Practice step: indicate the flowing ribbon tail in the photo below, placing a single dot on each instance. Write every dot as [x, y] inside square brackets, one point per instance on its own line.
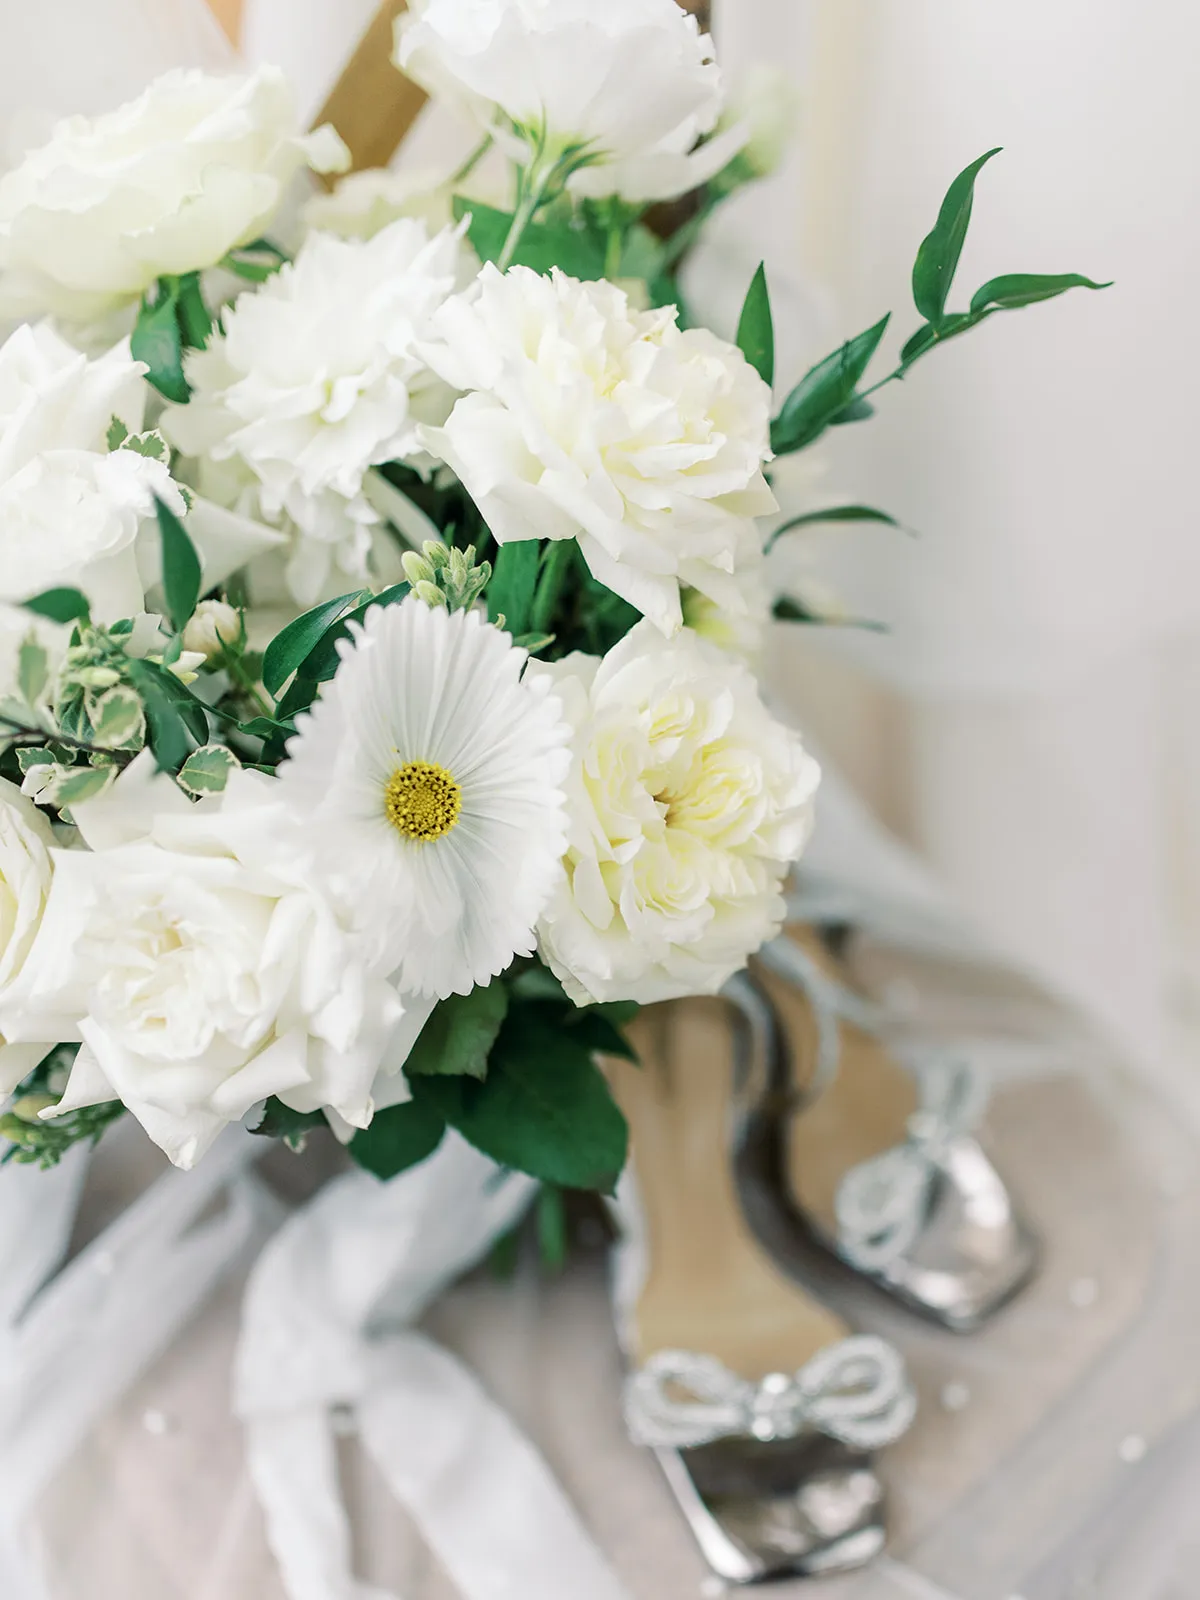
[293, 1465]
[326, 1324]
[483, 1497]
[90, 1331]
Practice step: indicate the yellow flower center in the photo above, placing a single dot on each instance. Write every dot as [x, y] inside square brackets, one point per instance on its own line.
[422, 801]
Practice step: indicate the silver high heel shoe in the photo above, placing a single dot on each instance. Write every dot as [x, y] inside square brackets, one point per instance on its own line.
[762, 1407]
[877, 1152]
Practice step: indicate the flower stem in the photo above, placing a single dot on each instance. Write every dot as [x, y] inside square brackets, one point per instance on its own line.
[559, 558]
[472, 161]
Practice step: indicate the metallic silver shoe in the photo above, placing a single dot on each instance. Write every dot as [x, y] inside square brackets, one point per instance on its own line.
[903, 1192]
[763, 1408]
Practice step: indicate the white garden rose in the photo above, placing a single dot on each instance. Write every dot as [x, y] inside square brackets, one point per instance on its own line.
[200, 969]
[169, 183]
[315, 379]
[26, 870]
[591, 420]
[688, 803]
[632, 83]
[362, 204]
[71, 508]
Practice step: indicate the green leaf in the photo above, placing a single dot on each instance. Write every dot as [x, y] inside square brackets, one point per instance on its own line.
[460, 1033]
[77, 784]
[195, 319]
[858, 410]
[576, 250]
[256, 262]
[268, 727]
[33, 669]
[533, 642]
[292, 644]
[181, 566]
[165, 700]
[937, 259]
[117, 718]
[551, 1213]
[1017, 289]
[293, 1127]
[927, 336]
[514, 579]
[158, 341]
[811, 519]
[34, 756]
[789, 609]
[824, 391]
[600, 1034]
[60, 605]
[322, 661]
[206, 770]
[543, 1109]
[398, 1138]
[756, 329]
[117, 434]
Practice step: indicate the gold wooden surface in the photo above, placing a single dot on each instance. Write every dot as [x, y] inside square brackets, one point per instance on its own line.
[372, 105]
[229, 14]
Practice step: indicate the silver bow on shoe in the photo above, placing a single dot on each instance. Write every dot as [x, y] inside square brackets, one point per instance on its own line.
[856, 1391]
[883, 1205]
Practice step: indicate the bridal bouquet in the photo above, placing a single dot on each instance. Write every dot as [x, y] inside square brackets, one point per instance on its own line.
[378, 722]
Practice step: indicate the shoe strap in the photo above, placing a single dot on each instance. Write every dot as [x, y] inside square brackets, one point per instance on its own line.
[881, 1205]
[856, 1391]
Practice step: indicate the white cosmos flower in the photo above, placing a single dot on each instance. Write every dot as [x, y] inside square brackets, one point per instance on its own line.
[632, 81]
[589, 419]
[168, 183]
[431, 773]
[71, 509]
[688, 804]
[191, 954]
[26, 869]
[315, 379]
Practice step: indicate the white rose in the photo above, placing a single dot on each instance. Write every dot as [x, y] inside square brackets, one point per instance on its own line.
[71, 509]
[742, 630]
[25, 874]
[766, 101]
[363, 203]
[167, 184]
[315, 379]
[200, 970]
[631, 82]
[594, 421]
[688, 804]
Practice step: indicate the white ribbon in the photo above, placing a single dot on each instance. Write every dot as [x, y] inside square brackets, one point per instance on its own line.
[856, 1391]
[327, 1327]
[70, 1345]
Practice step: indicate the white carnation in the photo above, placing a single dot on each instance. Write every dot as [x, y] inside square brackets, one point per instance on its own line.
[591, 420]
[315, 379]
[70, 509]
[191, 956]
[688, 803]
[167, 184]
[25, 874]
[632, 82]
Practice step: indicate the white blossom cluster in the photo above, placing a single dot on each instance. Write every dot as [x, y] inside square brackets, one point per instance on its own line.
[221, 928]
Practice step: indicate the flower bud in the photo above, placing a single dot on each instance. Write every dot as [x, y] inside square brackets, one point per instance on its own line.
[214, 625]
[430, 593]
